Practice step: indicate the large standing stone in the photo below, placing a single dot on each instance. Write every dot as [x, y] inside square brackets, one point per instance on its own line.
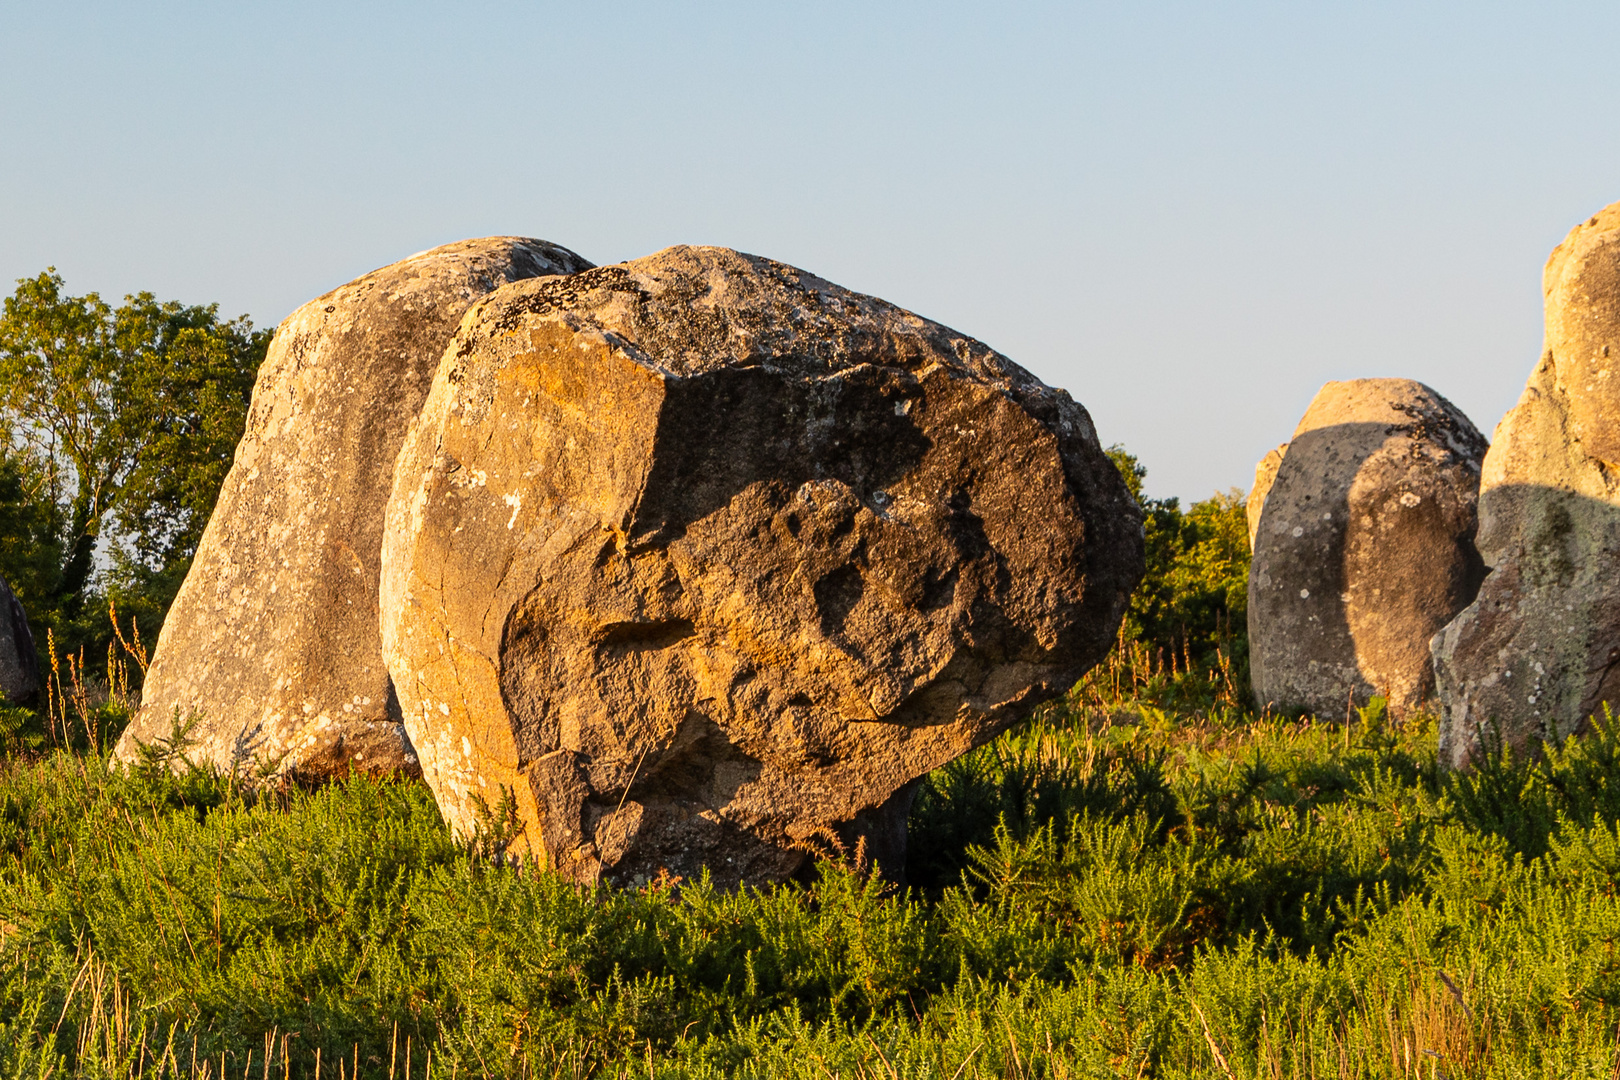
[19, 664]
[1539, 651]
[703, 560]
[273, 639]
[1365, 548]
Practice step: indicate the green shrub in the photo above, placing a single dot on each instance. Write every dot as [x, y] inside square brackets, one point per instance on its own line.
[1184, 641]
[1286, 898]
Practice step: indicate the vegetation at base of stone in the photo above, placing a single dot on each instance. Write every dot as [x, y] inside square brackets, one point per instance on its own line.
[81, 708]
[117, 425]
[1184, 641]
[1160, 899]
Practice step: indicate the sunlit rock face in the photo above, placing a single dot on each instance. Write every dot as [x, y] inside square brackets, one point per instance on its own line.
[1265, 472]
[700, 561]
[1538, 652]
[273, 639]
[1363, 547]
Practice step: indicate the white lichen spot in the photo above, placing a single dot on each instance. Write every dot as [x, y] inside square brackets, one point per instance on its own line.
[444, 707]
[466, 747]
[1299, 530]
[1410, 499]
[515, 501]
[1304, 594]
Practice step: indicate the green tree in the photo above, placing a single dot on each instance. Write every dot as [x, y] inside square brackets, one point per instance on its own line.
[117, 425]
[30, 527]
[1193, 599]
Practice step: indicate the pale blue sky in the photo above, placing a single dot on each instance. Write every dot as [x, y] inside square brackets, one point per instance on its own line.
[1189, 215]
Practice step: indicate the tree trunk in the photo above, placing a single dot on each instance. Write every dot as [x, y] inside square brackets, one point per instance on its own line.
[81, 554]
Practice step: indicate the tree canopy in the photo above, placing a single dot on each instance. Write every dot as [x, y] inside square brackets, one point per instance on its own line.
[117, 425]
[1194, 596]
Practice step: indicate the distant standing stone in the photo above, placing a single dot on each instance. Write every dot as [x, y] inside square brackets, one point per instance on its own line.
[19, 664]
[1264, 475]
[1538, 652]
[1364, 548]
[273, 638]
[705, 560]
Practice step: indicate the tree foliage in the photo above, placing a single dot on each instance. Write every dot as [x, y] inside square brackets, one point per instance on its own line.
[117, 425]
[1193, 599]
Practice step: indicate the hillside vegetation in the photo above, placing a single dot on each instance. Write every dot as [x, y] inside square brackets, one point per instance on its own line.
[1118, 889]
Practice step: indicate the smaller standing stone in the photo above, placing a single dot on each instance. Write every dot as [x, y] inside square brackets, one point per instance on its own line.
[19, 668]
[1364, 547]
[1264, 474]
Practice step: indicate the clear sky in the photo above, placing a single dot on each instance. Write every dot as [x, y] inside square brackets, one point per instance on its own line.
[1188, 215]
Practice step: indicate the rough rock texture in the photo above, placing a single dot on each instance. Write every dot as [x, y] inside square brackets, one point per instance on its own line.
[1265, 473]
[19, 670]
[1539, 651]
[273, 638]
[705, 560]
[1365, 548]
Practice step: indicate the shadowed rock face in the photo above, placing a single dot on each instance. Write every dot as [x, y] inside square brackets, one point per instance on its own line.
[705, 560]
[1364, 547]
[1539, 651]
[19, 666]
[273, 638]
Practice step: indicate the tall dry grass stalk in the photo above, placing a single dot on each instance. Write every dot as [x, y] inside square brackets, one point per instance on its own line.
[88, 703]
[1134, 673]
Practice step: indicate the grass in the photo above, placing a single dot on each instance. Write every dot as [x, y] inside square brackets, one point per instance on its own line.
[1118, 889]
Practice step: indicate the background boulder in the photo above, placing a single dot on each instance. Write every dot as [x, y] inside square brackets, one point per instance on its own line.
[1364, 547]
[1264, 473]
[1538, 652]
[19, 663]
[701, 561]
[273, 638]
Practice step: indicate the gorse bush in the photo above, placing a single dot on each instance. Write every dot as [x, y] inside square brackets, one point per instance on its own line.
[1276, 899]
[1039, 778]
[1525, 801]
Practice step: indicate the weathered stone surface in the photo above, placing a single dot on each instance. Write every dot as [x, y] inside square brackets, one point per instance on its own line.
[705, 560]
[273, 638]
[1365, 548]
[1538, 652]
[1264, 475]
[19, 664]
